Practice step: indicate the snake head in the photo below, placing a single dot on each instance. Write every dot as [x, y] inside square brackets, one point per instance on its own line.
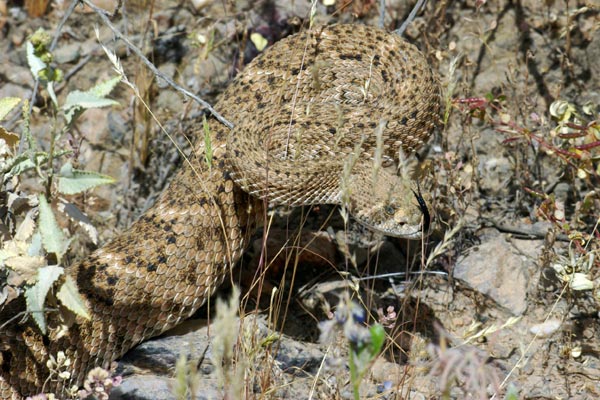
[391, 206]
[408, 220]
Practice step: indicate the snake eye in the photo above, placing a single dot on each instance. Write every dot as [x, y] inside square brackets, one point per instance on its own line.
[389, 209]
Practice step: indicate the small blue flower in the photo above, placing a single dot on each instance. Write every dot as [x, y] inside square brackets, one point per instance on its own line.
[358, 314]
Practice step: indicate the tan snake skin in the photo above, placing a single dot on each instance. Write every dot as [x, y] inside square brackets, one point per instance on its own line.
[315, 116]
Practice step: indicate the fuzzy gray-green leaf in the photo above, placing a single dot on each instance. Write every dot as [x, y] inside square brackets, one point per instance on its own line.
[103, 89]
[77, 98]
[7, 104]
[73, 181]
[35, 63]
[92, 98]
[52, 236]
[35, 296]
[69, 297]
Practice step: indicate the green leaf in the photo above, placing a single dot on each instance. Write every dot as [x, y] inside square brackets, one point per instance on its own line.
[72, 181]
[35, 248]
[51, 93]
[7, 104]
[103, 89]
[208, 151]
[18, 165]
[35, 296]
[92, 98]
[377, 339]
[70, 297]
[29, 160]
[53, 239]
[86, 100]
[35, 63]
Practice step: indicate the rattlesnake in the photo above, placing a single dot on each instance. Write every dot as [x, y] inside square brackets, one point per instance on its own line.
[315, 116]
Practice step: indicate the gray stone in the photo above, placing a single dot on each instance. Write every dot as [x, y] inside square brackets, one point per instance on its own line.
[12, 90]
[168, 69]
[19, 75]
[593, 55]
[168, 100]
[495, 173]
[155, 387]
[118, 126]
[148, 370]
[69, 53]
[493, 269]
[141, 387]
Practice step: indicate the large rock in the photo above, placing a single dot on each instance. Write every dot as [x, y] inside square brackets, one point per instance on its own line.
[494, 269]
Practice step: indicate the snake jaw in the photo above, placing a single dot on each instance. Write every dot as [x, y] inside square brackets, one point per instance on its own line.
[407, 221]
[402, 230]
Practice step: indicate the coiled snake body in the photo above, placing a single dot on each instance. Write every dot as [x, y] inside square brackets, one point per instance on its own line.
[315, 117]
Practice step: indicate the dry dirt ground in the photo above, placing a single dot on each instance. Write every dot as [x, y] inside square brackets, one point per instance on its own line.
[503, 297]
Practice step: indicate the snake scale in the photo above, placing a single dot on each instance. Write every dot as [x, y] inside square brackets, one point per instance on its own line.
[315, 115]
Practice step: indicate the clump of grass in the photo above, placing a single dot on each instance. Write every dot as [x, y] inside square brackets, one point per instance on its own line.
[230, 374]
[186, 378]
[569, 139]
[465, 367]
[228, 368]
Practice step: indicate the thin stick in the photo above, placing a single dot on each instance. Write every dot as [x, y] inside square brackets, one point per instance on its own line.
[62, 23]
[420, 4]
[103, 16]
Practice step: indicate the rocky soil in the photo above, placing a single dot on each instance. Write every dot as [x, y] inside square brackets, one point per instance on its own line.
[503, 298]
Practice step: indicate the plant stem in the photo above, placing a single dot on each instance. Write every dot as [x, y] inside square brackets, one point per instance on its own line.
[354, 375]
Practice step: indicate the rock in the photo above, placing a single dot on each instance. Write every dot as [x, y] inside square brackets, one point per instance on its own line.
[593, 55]
[169, 69]
[19, 75]
[200, 4]
[494, 171]
[148, 370]
[494, 269]
[143, 387]
[168, 100]
[118, 125]
[69, 53]
[12, 90]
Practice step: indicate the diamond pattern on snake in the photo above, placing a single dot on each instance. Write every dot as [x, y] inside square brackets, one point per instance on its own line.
[316, 115]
